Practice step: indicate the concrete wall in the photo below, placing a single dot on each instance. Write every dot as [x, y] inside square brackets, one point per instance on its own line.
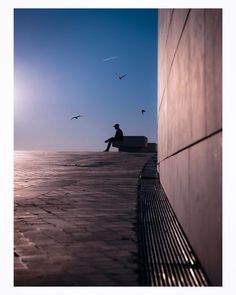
[190, 126]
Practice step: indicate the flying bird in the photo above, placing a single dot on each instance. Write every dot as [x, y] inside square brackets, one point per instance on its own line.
[121, 77]
[76, 117]
[143, 111]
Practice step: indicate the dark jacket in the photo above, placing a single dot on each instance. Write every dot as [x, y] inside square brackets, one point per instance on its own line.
[119, 135]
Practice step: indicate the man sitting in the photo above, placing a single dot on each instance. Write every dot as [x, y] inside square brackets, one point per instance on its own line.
[118, 137]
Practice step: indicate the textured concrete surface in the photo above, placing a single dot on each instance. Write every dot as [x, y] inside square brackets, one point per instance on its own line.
[190, 189]
[213, 68]
[205, 204]
[191, 98]
[190, 126]
[75, 218]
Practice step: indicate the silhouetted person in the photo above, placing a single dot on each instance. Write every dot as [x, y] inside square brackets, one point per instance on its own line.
[118, 137]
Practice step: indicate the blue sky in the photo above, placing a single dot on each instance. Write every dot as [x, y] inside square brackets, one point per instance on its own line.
[60, 70]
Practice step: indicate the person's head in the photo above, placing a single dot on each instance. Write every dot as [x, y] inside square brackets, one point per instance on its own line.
[116, 126]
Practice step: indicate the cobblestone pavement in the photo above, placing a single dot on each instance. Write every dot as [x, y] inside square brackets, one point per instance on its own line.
[75, 218]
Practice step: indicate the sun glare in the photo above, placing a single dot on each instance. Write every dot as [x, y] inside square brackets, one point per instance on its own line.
[22, 93]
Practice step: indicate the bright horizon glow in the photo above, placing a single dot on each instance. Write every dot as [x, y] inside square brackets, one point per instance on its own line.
[66, 62]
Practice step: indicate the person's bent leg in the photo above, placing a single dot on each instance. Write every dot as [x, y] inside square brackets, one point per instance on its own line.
[110, 140]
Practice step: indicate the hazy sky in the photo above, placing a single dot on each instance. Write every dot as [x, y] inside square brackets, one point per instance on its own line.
[65, 64]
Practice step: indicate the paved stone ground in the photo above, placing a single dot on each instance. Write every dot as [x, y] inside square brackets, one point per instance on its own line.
[75, 218]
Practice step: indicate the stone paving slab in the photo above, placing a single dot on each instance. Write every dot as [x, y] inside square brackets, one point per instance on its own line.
[76, 218]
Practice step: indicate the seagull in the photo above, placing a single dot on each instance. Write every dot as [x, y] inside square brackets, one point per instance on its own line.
[76, 117]
[121, 77]
[143, 111]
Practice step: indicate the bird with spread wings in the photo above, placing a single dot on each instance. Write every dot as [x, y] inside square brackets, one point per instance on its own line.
[121, 77]
[76, 117]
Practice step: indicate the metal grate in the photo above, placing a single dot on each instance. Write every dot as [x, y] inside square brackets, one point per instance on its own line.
[166, 258]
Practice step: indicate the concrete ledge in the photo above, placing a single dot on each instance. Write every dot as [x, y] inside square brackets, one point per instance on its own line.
[152, 147]
[135, 144]
[132, 142]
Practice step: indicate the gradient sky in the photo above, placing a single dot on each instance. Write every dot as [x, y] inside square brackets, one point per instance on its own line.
[65, 63]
